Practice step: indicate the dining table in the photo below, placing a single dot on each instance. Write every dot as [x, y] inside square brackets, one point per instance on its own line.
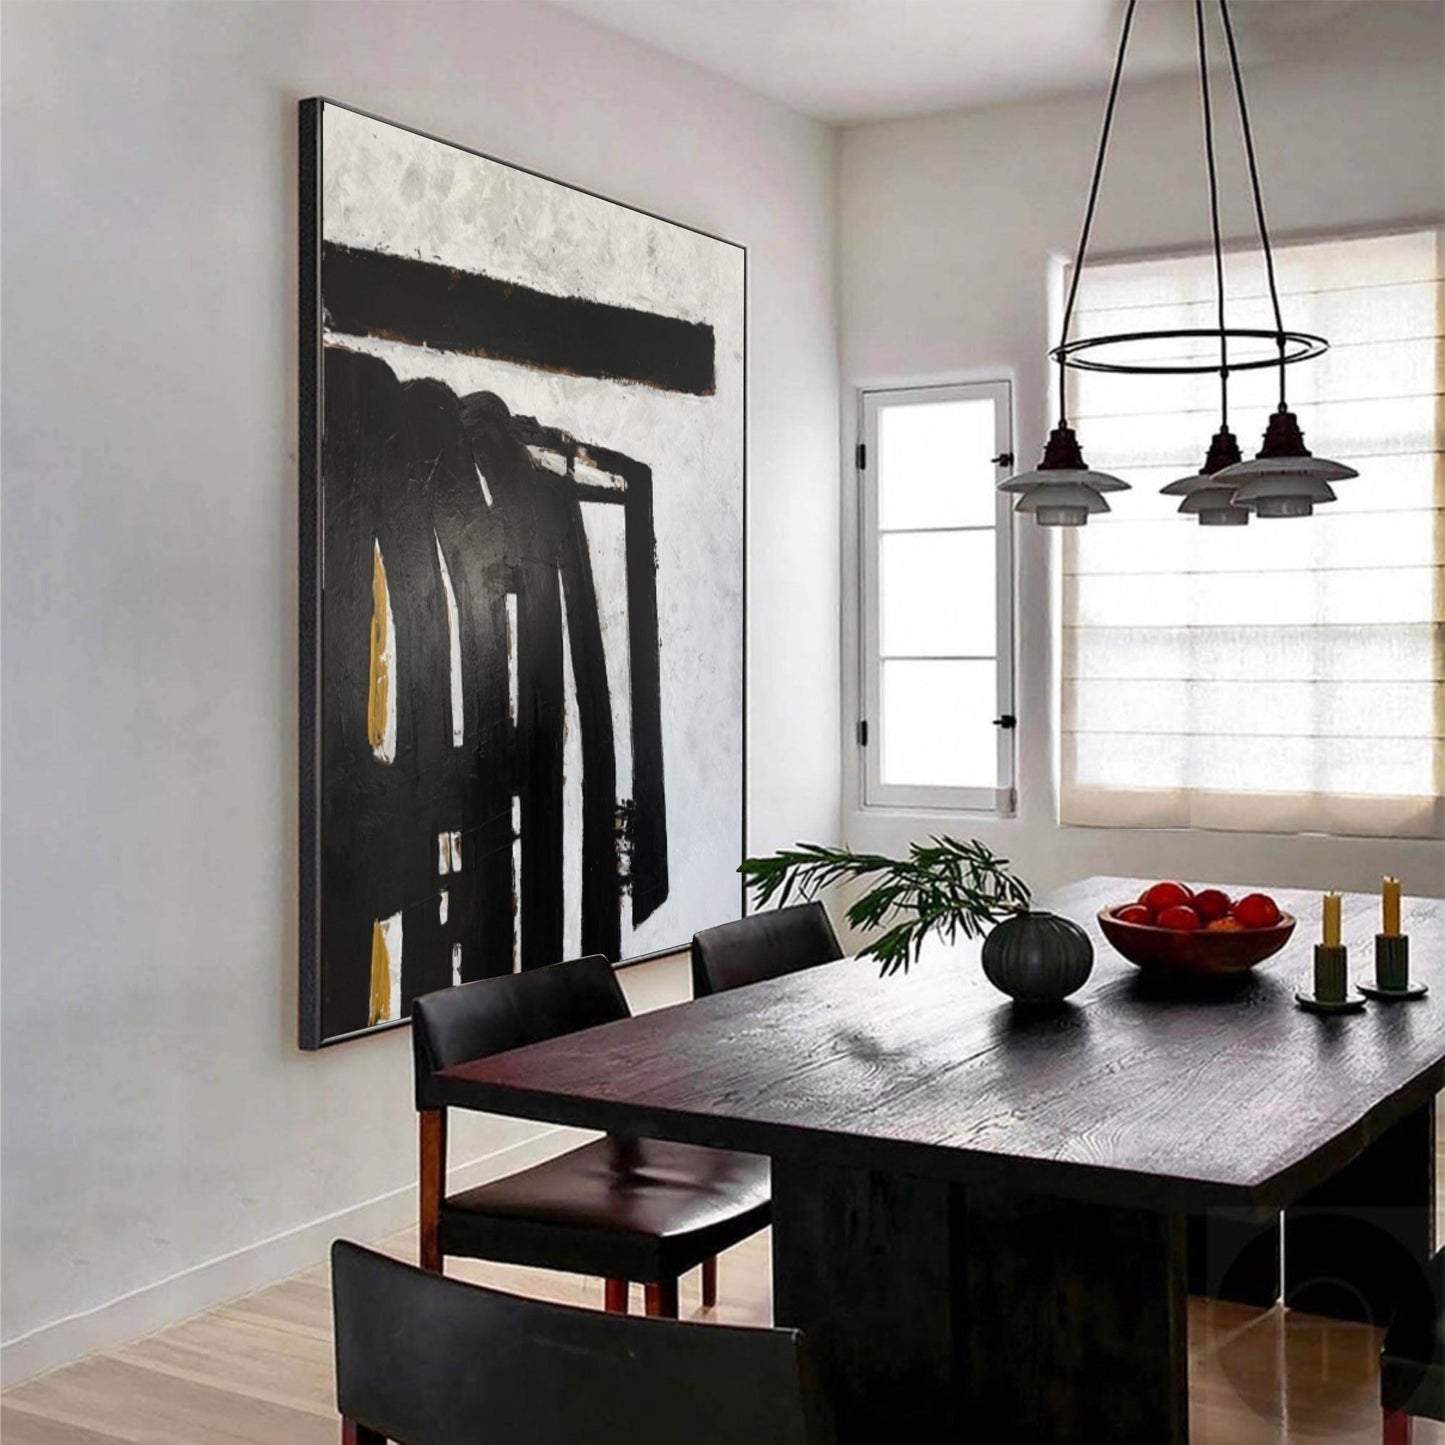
[987, 1217]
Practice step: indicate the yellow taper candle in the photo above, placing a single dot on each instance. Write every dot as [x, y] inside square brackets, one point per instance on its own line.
[1392, 908]
[1332, 920]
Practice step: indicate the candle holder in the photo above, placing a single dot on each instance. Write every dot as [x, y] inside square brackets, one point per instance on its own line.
[1392, 970]
[1331, 995]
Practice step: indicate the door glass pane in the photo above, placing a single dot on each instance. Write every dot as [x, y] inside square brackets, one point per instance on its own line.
[937, 594]
[935, 466]
[938, 724]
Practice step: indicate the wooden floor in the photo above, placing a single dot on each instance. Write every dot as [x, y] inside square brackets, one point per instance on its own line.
[260, 1368]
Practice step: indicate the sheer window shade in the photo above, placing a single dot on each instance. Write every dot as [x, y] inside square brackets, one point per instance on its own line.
[1288, 676]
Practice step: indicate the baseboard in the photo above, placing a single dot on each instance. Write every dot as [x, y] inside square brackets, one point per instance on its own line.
[216, 1281]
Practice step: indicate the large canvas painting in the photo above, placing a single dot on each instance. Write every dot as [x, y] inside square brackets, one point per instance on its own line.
[522, 494]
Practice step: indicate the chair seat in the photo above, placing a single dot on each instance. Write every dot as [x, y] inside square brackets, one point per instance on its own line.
[637, 1209]
[1412, 1362]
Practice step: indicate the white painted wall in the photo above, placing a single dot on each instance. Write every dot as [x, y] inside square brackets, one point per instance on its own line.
[947, 228]
[165, 1144]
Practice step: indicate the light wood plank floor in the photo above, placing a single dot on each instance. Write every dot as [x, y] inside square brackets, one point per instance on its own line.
[259, 1369]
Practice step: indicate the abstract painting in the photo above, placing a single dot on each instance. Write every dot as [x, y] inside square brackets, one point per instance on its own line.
[522, 573]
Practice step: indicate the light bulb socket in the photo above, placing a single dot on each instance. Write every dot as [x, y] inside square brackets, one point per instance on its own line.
[1223, 452]
[1061, 516]
[1061, 451]
[1283, 437]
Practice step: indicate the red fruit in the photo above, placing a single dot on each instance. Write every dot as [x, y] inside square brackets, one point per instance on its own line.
[1133, 913]
[1256, 910]
[1165, 895]
[1211, 903]
[1179, 919]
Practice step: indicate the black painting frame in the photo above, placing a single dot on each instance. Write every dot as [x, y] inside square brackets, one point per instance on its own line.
[311, 535]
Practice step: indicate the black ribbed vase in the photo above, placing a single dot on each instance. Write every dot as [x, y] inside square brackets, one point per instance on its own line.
[1038, 957]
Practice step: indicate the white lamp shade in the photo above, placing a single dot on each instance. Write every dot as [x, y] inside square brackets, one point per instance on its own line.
[1044, 496]
[1207, 499]
[1306, 469]
[1068, 476]
[1195, 482]
[1224, 517]
[1215, 507]
[1255, 490]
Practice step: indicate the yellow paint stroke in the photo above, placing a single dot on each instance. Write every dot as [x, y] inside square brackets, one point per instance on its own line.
[379, 680]
[380, 976]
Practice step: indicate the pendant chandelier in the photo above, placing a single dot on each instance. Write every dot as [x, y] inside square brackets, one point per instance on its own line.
[1284, 479]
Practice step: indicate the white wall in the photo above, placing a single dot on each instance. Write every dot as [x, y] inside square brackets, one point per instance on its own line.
[165, 1144]
[947, 228]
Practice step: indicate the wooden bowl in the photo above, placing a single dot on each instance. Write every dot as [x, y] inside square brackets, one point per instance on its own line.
[1198, 955]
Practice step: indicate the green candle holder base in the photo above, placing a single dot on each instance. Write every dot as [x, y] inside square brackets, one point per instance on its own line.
[1310, 1004]
[1392, 962]
[1395, 995]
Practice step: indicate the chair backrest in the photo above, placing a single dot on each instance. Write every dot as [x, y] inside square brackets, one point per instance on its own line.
[763, 945]
[492, 1015]
[428, 1360]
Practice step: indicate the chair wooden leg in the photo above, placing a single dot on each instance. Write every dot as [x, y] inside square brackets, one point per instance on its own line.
[615, 1298]
[433, 1174]
[661, 1299]
[709, 1282]
[354, 1433]
[1397, 1428]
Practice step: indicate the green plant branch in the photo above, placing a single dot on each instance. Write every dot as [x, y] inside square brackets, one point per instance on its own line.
[943, 886]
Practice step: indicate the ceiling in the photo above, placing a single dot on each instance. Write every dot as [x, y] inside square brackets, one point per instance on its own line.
[848, 61]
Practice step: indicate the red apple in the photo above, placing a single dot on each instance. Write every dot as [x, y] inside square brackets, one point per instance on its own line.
[1211, 903]
[1165, 895]
[1179, 919]
[1256, 910]
[1133, 913]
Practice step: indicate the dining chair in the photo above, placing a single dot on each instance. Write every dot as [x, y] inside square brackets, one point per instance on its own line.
[427, 1360]
[628, 1210]
[1412, 1359]
[760, 946]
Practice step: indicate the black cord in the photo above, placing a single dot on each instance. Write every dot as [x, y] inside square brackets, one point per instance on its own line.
[1254, 186]
[1093, 199]
[1204, 98]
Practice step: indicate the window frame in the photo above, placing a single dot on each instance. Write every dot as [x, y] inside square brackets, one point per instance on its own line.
[1000, 801]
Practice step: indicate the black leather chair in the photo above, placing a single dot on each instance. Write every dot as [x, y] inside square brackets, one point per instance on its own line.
[1412, 1360]
[628, 1210]
[763, 945]
[432, 1361]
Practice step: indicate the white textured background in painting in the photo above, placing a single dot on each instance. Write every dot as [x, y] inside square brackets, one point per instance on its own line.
[387, 189]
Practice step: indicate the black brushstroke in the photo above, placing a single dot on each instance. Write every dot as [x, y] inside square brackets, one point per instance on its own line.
[648, 832]
[401, 465]
[373, 293]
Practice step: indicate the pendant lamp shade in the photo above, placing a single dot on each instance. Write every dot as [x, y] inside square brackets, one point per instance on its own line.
[1062, 491]
[1284, 480]
[1204, 495]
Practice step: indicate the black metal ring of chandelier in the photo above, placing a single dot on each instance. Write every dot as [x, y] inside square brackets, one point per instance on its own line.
[1292, 346]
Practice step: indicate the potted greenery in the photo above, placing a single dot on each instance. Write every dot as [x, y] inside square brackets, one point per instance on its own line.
[943, 886]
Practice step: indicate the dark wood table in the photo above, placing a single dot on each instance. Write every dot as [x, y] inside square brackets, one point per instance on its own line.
[986, 1219]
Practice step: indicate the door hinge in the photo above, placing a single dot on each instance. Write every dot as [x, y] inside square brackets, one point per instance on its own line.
[1004, 459]
[861, 456]
[862, 732]
[1008, 720]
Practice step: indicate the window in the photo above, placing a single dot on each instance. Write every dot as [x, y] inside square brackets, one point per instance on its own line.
[937, 621]
[1290, 675]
